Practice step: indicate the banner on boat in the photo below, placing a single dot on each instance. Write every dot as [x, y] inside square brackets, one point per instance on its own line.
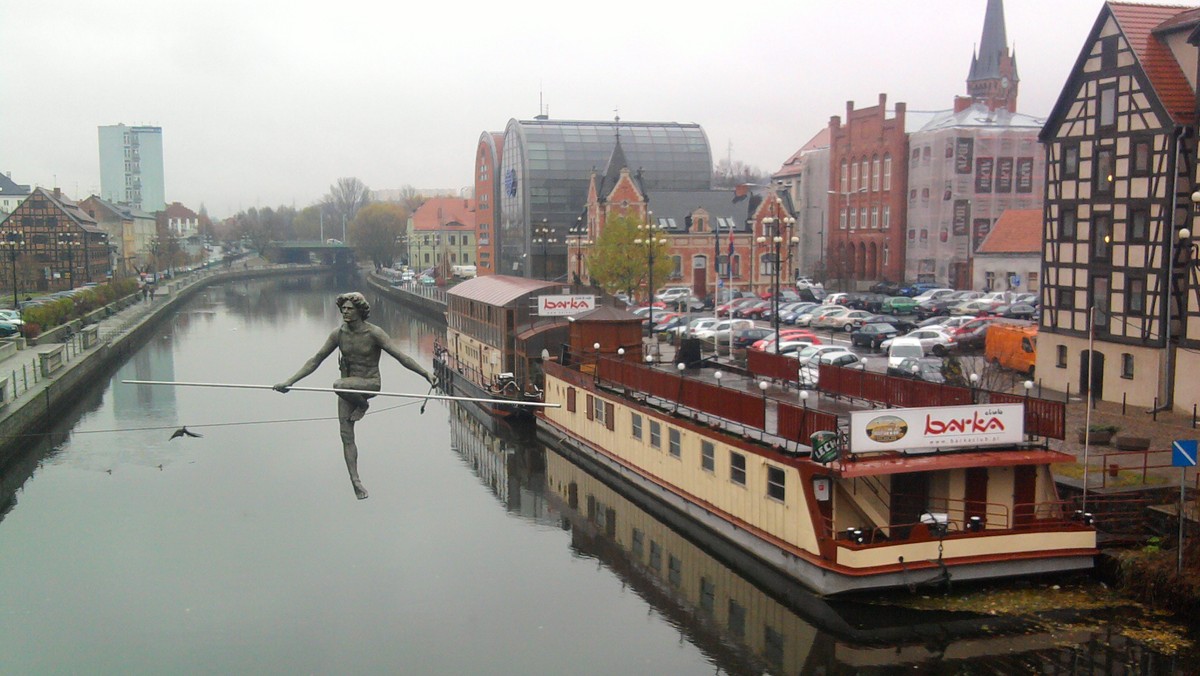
[924, 429]
[559, 306]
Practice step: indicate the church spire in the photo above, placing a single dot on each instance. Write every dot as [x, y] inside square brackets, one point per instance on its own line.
[993, 76]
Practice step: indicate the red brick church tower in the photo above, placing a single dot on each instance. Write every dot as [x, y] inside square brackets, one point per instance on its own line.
[993, 77]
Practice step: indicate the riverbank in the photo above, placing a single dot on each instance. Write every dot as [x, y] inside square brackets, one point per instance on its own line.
[41, 379]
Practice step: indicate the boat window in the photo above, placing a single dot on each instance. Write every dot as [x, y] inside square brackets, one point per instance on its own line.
[776, 483]
[635, 420]
[655, 434]
[708, 454]
[675, 443]
[737, 468]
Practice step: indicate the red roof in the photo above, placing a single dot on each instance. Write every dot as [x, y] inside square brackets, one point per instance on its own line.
[792, 166]
[499, 290]
[1138, 23]
[439, 213]
[1016, 231]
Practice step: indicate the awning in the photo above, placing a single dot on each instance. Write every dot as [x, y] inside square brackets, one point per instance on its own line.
[931, 462]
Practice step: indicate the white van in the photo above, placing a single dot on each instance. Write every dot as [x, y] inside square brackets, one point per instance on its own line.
[902, 348]
[463, 271]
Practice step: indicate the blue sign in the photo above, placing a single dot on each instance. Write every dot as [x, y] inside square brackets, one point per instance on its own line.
[1183, 452]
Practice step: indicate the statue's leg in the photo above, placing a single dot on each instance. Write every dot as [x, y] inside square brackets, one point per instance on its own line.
[358, 402]
[349, 448]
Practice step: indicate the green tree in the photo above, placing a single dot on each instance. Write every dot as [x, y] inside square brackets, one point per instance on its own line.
[621, 258]
[376, 232]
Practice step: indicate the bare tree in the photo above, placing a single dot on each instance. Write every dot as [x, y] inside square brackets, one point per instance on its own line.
[377, 230]
[346, 196]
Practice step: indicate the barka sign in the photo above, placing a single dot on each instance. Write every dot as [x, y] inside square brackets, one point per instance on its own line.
[559, 306]
[927, 429]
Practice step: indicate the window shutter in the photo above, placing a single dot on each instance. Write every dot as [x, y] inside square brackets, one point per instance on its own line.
[591, 407]
[610, 415]
[570, 399]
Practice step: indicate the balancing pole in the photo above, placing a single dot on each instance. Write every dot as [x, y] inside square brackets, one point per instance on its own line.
[403, 395]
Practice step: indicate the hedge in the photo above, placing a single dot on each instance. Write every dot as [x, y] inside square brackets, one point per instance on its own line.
[49, 315]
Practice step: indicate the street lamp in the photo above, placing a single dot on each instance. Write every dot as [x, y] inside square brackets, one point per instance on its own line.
[14, 241]
[578, 236]
[776, 226]
[542, 235]
[67, 240]
[651, 239]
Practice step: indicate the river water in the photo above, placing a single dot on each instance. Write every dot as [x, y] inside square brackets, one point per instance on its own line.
[479, 551]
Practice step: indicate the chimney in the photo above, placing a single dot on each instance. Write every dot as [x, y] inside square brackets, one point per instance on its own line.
[57, 193]
[962, 103]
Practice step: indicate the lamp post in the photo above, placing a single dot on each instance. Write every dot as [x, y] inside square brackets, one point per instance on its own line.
[14, 241]
[578, 236]
[67, 240]
[542, 236]
[651, 239]
[776, 226]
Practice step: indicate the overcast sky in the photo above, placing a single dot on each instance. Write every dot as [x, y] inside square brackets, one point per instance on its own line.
[268, 102]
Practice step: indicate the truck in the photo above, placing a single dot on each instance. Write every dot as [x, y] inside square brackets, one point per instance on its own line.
[1013, 346]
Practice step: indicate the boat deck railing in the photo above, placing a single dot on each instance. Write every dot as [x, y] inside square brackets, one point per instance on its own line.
[977, 517]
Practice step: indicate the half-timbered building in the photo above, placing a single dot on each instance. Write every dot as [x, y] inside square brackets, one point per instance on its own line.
[1120, 171]
[52, 235]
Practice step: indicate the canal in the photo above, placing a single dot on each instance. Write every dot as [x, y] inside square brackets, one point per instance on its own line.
[124, 550]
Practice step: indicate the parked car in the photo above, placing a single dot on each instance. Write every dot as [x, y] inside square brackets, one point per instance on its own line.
[753, 310]
[1017, 311]
[807, 318]
[809, 375]
[902, 347]
[933, 340]
[837, 299]
[902, 324]
[1012, 345]
[795, 310]
[826, 319]
[871, 302]
[671, 325]
[872, 335]
[975, 307]
[926, 369]
[661, 319]
[916, 289]
[898, 305]
[787, 334]
[791, 346]
[885, 288]
[673, 293]
[744, 338]
[698, 323]
[807, 354]
[725, 309]
[719, 332]
[973, 334]
[847, 321]
[11, 316]
[932, 294]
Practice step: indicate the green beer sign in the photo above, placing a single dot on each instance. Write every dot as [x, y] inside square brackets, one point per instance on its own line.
[824, 447]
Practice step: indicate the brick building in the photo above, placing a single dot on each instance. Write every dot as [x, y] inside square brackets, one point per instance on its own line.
[487, 196]
[57, 244]
[865, 241]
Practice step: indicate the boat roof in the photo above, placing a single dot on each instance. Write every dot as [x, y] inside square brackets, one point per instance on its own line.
[499, 290]
[879, 465]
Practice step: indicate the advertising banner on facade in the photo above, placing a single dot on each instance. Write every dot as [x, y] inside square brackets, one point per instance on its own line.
[962, 216]
[984, 167]
[979, 232]
[964, 155]
[918, 430]
[559, 306]
[1004, 174]
[1025, 174]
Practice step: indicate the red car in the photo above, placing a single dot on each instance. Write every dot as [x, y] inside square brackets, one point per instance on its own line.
[786, 335]
[724, 310]
[753, 310]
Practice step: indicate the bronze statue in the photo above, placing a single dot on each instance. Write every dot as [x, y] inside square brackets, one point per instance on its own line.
[360, 343]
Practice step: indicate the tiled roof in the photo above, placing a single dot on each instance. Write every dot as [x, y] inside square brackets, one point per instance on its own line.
[177, 210]
[792, 165]
[1016, 231]
[72, 211]
[1138, 23]
[438, 212]
[499, 290]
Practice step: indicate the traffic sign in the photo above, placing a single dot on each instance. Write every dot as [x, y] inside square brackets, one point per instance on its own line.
[1183, 452]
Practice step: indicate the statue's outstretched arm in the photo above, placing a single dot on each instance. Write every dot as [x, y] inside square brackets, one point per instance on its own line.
[311, 365]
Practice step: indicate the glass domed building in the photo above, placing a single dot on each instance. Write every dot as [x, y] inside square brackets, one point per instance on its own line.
[544, 171]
